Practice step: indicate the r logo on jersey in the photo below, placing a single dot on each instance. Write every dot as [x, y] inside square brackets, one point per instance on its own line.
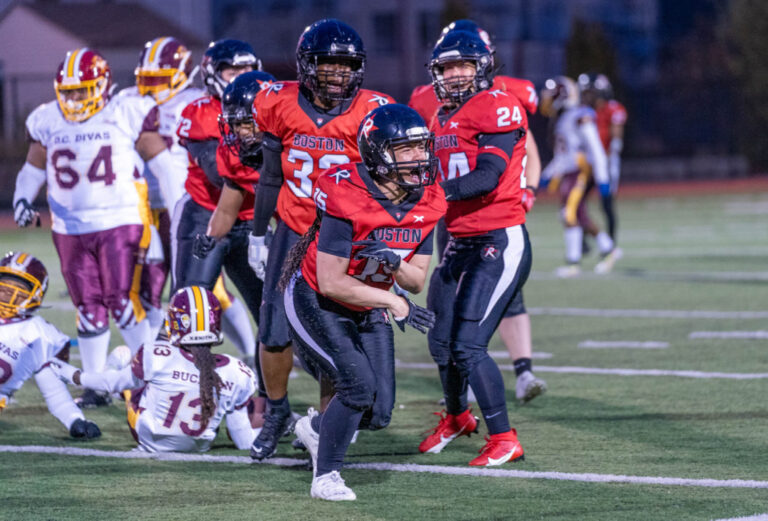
[341, 174]
[490, 253]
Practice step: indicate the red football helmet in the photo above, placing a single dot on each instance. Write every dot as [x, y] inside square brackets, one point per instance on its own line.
[23, 283]
[83, 84]
[165, 68]
[194, 317]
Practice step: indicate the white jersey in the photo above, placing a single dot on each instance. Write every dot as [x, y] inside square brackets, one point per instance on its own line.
[576, 137]
[91, 164]
[26, 345]
[170, 404]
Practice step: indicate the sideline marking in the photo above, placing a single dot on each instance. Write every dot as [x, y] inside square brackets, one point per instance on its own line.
[622, 344]
[756, 517]
[646, 313]
[396, 467]
[612, 371]
[730, 334]
[504, 354]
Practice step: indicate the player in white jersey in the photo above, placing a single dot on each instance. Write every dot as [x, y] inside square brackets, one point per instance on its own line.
[83, 145]
[165, 72]
[188, 390]
[28, 342]
[578, 157]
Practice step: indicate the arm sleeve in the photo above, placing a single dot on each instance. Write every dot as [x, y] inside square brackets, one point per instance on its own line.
[110, 381]
[28, 183]
[269, 185]
[595, 151]
[335, 236]
[239, 428]
[204, 153]
[426, 246]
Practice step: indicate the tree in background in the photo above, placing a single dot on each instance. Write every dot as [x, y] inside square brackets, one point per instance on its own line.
[745, 29]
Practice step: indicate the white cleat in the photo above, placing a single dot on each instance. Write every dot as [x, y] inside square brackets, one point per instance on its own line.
[331, 487]
[606, 265]
[569, 271]
[528, 387]
[308, 437]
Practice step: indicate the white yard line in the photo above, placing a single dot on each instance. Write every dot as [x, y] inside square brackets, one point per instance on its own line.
[647, 313]
[536, 356]
[621, 344]
[730, 334]
[756, 517]
[397, 467]
[611, 371]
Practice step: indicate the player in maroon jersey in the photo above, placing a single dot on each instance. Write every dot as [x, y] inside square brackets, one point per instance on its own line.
[515, 327]
[310, 125]
[480, 140]
[374, 228]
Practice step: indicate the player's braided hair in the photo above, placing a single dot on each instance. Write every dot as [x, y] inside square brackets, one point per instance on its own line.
[205, 361]
[296, 253]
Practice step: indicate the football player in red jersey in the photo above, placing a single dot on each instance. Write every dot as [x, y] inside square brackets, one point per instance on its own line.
[309, 126]
[515, 327]
[374, 228]
[596, 92]
[198, 131]
[480, 141]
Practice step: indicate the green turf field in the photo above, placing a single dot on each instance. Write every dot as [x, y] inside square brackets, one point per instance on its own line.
[691, 265]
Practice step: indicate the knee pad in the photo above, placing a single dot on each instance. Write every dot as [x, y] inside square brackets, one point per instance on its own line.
[358, 397]
[92, 320]
[439, 349]
[467, 356]
[374, 419]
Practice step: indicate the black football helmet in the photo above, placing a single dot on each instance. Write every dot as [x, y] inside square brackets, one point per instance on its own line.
[237, 112]
[220, 53]
[330, 40]
[381, 131]
[594, 86]
[458, 46]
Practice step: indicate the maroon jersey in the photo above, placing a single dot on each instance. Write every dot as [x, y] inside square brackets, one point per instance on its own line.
[611, 113]
[491, 111]
[200, 122]
[229, 166]
[344, 192]
[310, 145]
[424, 100]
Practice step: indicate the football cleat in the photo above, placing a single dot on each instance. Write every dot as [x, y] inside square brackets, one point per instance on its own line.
[275, 425]
[91, 399]
[331, 487]
[499, 449]
[606, 265]
[449, 428]
[569, 271]
[308, 436]
[528, 387]
[84, 429]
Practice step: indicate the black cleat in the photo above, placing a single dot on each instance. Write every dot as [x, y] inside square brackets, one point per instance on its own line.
[275, 425]
[91, 399]
[84, 430]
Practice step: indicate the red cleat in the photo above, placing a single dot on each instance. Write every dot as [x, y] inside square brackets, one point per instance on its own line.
[499, 449]
[450, 427]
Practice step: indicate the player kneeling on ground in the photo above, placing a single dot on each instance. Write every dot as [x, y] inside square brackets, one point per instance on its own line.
[181, 391]
[28, 342]
[375, 229]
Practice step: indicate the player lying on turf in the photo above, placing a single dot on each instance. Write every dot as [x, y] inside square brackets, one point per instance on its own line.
[181, 390]
[28, 342]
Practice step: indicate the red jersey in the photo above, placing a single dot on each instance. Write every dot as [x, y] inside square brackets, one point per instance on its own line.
[229, 166]
[611, 113]
[345, 192]
[200, 122]
[456, 145]
[424, 100]
[312, 142]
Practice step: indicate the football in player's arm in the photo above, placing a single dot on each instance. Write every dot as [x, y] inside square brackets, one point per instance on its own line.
[28, 343]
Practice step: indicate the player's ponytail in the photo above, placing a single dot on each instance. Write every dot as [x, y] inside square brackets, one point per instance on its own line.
[205, 361]
[296, 253]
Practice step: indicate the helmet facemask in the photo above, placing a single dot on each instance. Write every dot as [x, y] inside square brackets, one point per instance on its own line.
[411, 174]
[20, 293]
[163, 84]
[459, 88]
[332, 87]
[241, 134]
[79, 101]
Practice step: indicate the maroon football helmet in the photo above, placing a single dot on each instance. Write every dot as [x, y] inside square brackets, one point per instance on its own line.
[194, 317]
[165, 68]
[83, 84]
[23, 283]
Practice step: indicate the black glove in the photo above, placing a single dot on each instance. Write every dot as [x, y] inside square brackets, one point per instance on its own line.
[202, 246]
[380, 252]
[24, 214]
[418, 318]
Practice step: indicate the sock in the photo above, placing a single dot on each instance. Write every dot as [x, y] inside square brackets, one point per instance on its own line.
[337, 427]
[522, 365]
[573, 237]
[604, 243]
[156, 318]
[488, 384]
[93, 351]
[454, 388]
[57, 397]
[137, 335]
[236, 325]
[279, 405]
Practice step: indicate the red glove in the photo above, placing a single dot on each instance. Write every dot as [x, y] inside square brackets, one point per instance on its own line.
[529, 197]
